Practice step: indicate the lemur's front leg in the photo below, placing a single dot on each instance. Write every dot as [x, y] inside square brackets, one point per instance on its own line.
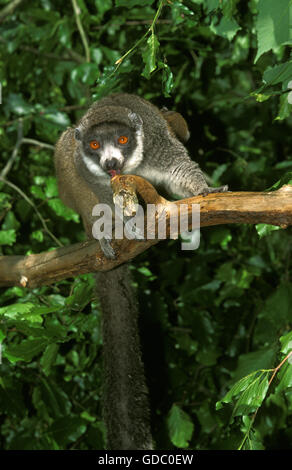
[187, 180]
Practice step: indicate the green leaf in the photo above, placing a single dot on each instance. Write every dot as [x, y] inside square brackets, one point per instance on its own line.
[38, 235]
[67, 429]
[261, 359]
[149, 55]
[180, 12]
[281, 73]
[283, 165]
[85, 73]
[206, 417]
[265, 229]
[273, 25]
[5, 201]
[45, 15]
[37, 192]
[19, 105]
[81, 296]
[227, 28]
[252, 390]
[27, 311]
[43, 310]
[167, 79]
[64, 32]
[13, 310]
[211, 5]
[286, 343]
[107, 81]
[208, 356]
[26, 350]
[252, 397]
[7, 237]
[229, 7]
[222, 236]
[2, 336]
[48, 359]
[237, 388]
[63, 211]
[51, 189]
[145, 271]
[11, 397]
[285, 179]
[261, 97]
[180, 427]
[285, 108]
[10, 222]
[285, 377]
[57, 117]
[87, 416]
[277, 307]
[50, 395]
[102, 6]
[96, 55]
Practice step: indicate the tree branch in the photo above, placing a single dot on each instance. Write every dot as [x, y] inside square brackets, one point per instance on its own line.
[9, 9]
[14, 154]
[31, 203]
[73, 56]
[37, 143]
[77, 14]
[221, 208]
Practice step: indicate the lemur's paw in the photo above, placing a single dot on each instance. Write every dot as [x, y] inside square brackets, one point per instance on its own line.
[107, 248]
[132, 231]
[220, 189]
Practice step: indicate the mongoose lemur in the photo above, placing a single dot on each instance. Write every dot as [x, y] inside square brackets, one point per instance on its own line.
[123, 133]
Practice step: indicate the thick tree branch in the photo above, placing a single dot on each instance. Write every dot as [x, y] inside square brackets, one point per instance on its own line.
[221, 208]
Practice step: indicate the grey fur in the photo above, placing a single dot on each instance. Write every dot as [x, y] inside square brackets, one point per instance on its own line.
[160, 157]
[163, 160]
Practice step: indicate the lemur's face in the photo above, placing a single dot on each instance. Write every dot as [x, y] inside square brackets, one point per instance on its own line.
[109, 148]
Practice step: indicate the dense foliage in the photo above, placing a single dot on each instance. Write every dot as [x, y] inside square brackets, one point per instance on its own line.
[214, 322]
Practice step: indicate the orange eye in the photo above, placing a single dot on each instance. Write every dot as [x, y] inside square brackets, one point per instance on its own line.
[123, 139]
[94, 144]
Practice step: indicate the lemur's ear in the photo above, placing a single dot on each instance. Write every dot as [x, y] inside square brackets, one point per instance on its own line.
[136, 120]
[77, 133]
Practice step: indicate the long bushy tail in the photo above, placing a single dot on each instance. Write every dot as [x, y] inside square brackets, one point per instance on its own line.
[125, 400]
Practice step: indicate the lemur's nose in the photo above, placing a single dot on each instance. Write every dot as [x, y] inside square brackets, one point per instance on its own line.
[112, 164]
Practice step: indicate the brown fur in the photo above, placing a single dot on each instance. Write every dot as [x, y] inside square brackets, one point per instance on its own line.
[164, 157]
[125, 402]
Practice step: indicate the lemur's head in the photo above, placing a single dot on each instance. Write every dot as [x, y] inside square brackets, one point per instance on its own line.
[111, 147]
